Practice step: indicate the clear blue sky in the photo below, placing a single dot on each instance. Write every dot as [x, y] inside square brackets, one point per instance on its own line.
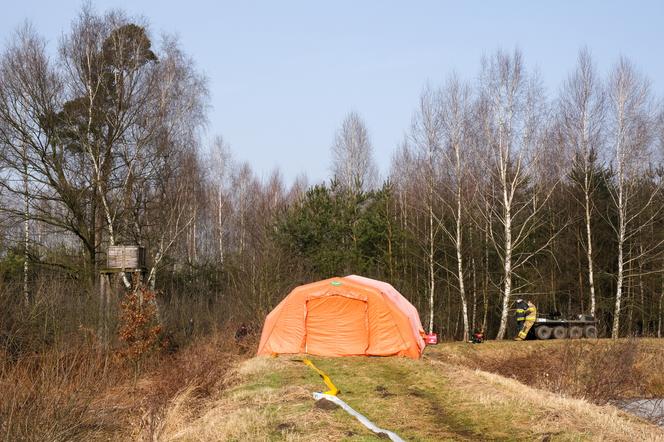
[283, 74]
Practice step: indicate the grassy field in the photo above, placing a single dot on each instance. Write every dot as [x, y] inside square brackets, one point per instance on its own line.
[456, 392]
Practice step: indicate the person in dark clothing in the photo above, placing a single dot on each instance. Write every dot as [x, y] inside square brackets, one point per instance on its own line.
[241, 332]
[477, 337]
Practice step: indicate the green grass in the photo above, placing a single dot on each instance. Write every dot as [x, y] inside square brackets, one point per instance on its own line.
[397, 394]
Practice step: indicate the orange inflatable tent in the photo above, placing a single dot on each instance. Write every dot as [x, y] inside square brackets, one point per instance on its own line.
[344, 317]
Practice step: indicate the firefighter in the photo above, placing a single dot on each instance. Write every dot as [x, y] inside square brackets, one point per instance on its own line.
[529, 320]
[520, 314]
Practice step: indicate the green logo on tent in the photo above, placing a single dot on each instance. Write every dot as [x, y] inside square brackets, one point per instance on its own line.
[336, 283]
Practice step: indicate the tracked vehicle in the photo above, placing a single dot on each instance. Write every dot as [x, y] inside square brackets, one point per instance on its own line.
[554, 326]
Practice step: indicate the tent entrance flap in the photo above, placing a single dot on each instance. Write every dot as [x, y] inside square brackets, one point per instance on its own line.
[336, 325]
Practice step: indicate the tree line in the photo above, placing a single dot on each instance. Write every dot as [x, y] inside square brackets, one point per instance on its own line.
[499, 190]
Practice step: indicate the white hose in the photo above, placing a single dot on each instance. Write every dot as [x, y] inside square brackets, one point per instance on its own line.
[366, 422]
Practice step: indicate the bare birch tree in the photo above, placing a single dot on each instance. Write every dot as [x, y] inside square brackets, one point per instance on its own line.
[582, 114]
[631, 135]
[26, 227]
[512, 129]
[220, 169]
[427, 133]
[172, 211]
[455, 118]
[352, 156]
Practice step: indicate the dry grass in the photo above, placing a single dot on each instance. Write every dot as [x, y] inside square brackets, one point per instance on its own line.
[545, 414]
[50, 396]
[82, 393]
[177, 387]
[259, 407]
[598, 370]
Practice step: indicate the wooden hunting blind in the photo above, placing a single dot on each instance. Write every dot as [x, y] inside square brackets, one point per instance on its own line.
[124, 264]
[126, 257]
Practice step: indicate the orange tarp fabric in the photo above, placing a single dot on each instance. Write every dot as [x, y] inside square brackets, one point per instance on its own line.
[347, 316]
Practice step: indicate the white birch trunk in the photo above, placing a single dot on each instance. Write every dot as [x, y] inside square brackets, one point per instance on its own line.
[620, 159]
[26, 229]
[632, 113]
[220, 227]
[507, 269]
[621, 264]
[92, 90]
[462, 290]
[589, 244]
[111, 230]
[659, 309]
[473, 320]
[642, 307]
[485, 294]
[432, 280]
[582, 105]
[587, 183]
[659, 314]
[507, 225]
